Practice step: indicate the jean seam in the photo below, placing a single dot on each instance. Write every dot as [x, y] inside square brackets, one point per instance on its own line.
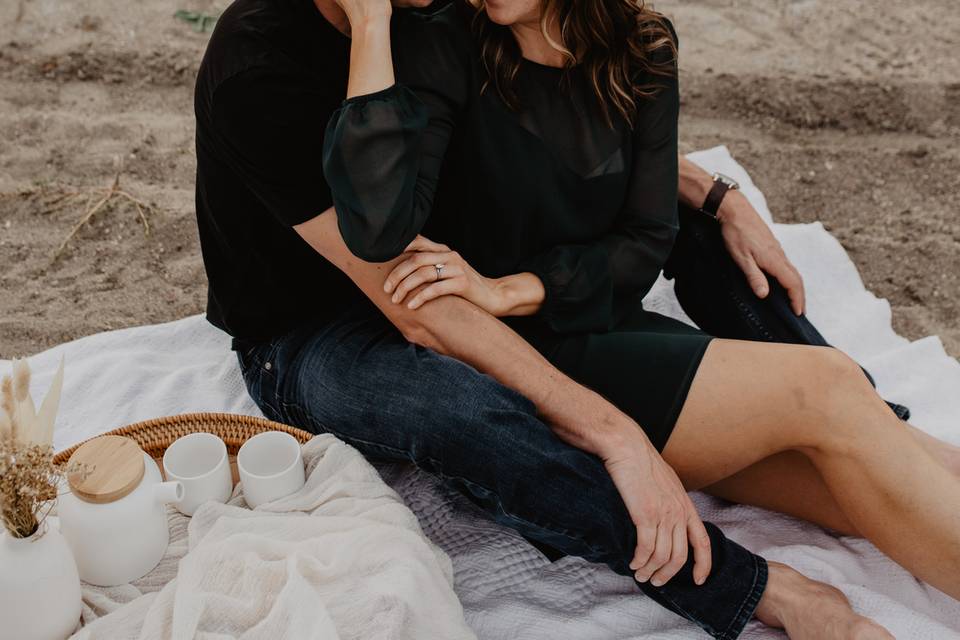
[689, 616]
[749, 605]
[744, 307]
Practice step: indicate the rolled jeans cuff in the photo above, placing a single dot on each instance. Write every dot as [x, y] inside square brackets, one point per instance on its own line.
[749, 605]
[724, 604]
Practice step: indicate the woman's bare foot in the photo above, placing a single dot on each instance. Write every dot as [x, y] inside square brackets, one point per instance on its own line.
[810, 610]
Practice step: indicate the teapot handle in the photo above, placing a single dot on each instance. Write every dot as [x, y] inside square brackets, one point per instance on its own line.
[168, 492]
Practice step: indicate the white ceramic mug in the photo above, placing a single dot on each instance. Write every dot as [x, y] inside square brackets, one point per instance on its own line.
[270, 466]
[200, 463]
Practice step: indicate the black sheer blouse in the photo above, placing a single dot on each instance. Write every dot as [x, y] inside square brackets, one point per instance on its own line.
[552, 189]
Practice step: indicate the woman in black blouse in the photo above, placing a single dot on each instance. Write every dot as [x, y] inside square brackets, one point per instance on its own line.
[538, 139]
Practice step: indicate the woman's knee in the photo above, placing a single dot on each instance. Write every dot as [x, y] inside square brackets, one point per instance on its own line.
[836, 373]
[836, 400]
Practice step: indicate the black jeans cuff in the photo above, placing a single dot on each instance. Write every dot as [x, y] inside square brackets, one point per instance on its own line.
[749, 605]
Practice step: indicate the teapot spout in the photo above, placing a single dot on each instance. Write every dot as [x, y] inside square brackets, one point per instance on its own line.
[168, 492]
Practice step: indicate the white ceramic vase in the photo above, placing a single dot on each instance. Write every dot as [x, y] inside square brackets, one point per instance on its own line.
[39, 587]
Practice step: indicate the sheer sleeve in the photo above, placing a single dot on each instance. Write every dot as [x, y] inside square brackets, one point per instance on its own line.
[583, 282]
[383, 152]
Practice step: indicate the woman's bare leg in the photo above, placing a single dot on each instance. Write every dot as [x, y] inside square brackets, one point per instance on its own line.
[750, 400]
[789, 483]
[947, 454]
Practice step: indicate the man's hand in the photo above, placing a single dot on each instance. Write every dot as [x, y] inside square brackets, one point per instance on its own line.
[754, 248]
[360, 10]
[659, 506]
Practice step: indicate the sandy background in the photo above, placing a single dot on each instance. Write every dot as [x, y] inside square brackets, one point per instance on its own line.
[844, 111]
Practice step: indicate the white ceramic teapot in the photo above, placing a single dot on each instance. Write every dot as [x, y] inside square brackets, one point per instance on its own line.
[113, 515]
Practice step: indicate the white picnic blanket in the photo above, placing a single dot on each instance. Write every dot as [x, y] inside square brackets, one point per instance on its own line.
[508, 590]
[343, 558]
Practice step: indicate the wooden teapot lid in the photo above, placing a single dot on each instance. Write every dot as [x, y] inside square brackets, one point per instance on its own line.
[113, 467]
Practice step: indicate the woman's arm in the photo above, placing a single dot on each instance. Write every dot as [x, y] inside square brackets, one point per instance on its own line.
[383, 151]
[371, 66]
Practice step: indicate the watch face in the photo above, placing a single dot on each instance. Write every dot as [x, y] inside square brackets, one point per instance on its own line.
[727, 180]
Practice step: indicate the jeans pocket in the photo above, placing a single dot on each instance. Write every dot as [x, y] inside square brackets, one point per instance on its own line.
[257, 365]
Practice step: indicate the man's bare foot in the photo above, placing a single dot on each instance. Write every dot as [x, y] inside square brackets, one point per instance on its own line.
[810, 610]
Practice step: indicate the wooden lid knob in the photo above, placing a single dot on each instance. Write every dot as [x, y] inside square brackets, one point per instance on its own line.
[113, 467]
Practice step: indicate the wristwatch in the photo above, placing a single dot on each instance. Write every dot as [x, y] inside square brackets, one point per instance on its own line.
[721, 184]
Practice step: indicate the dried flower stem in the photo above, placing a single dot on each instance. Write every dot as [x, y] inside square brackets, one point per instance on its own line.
[28, 483]
[7, 403]
[113, 191]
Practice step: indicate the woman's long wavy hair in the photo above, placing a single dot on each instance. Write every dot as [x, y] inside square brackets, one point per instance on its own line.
[612, 41]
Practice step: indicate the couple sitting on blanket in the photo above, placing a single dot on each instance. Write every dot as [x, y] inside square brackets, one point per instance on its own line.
[429, 231]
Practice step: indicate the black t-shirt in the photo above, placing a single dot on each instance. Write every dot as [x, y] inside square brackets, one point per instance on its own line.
[273, 73]
[551, 188]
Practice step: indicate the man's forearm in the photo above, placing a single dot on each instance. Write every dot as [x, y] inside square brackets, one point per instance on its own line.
[458, 328]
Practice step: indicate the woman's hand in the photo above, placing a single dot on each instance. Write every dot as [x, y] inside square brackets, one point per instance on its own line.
[456, 277]
[661, 510]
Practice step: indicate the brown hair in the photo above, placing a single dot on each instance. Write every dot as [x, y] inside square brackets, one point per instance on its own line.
[612, 41]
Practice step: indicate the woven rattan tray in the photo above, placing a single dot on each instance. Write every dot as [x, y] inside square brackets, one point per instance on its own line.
[154, 436]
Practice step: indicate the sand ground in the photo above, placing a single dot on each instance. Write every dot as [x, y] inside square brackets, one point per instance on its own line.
[844, 111]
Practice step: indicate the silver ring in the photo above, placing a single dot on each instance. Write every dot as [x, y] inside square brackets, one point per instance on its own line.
[439, 268]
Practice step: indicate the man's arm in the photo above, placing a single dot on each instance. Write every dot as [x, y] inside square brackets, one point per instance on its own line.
[747, 237]
[581, 417]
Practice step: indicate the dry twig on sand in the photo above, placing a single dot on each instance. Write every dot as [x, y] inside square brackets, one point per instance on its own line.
[113, 192]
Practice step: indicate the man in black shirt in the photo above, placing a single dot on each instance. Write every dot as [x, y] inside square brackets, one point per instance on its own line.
[273, 73]
[310, 320]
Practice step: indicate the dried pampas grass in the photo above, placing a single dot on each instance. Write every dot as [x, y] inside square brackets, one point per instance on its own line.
[29, 479]
[28, 486]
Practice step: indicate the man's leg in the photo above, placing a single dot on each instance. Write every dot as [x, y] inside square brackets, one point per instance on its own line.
[360, 380]
[712, 290]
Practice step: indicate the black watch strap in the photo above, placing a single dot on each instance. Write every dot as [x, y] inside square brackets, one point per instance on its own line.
[712, 204]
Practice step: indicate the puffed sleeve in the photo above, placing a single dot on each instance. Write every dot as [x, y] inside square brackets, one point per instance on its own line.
[383, 152]
[584, 282]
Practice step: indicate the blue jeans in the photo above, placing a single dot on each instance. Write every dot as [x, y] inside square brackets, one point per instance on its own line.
[359, 379]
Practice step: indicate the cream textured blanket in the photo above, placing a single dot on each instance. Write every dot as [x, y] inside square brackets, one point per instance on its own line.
[342, 558]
